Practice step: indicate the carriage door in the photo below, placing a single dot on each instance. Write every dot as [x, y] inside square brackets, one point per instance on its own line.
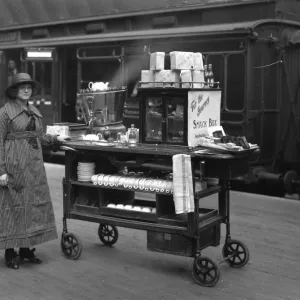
[43, 66]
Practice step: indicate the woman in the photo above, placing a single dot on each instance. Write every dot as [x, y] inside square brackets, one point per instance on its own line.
[26, 212]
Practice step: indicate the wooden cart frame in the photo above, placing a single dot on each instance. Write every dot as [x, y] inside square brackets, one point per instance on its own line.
[185, 234]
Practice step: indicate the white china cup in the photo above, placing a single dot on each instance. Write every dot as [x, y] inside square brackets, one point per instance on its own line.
[100, 179]
[131, 182]
[152, 185]
[163, 186]
[158, 185]
[116, 181]
[106, 179]
[111, 180]
[125, 184]
[142, 183]
[121, 181]
[136, 183]
[147, 184]
[94, 179]
[169, 186]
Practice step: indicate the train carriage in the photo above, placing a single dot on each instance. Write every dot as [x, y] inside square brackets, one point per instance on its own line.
[253, 47]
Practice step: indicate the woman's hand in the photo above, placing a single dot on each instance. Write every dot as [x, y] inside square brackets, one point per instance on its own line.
[63, 138]
[3, 180]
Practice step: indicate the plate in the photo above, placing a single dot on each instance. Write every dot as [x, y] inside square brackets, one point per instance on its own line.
[227, 151]
[204, 151]
[104, 144]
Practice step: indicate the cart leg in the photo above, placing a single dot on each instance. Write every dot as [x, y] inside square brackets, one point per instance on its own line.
[227, 201]
[224, 207]
[196, 214]
[234, 252]
[65, 228]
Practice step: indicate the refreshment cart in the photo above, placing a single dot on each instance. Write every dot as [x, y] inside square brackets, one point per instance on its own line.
[104, 178]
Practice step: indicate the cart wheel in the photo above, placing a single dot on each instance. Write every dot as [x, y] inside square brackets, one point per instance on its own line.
[238, 253]
[205, 271]
[108, 234]
[71, 246]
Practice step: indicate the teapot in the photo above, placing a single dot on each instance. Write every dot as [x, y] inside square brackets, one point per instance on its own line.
[98, 86]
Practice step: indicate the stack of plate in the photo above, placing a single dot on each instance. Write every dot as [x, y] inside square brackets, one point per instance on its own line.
[85, 171]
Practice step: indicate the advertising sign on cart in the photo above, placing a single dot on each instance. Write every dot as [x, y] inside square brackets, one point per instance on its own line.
[204, 111]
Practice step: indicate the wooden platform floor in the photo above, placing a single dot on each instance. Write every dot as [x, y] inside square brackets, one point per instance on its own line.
[269, 226]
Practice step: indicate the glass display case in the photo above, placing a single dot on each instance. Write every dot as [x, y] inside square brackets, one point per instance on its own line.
[154, 119]
[175, 120]
[163, 116]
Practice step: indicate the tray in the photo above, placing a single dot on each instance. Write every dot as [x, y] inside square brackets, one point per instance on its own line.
[227, 151]
[92, 143]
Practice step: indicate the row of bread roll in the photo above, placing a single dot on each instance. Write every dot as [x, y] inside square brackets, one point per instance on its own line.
[132, 207]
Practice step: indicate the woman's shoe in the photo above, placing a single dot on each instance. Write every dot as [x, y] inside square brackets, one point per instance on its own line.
[12, 260]
[27, 254]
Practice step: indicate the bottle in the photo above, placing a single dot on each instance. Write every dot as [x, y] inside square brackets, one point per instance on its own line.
[205, 76]
[132, 137]
[211, 80]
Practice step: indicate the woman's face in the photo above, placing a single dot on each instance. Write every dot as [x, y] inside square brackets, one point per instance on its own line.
[24, 92]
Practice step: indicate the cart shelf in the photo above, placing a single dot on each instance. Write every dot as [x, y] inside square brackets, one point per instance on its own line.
[129, 223]
[142, 225]
[172, 219]
[118, 213]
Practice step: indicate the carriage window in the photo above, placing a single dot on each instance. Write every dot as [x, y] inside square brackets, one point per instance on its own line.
[100, 64]
[235, 94]
[100, 70]
[42, 72]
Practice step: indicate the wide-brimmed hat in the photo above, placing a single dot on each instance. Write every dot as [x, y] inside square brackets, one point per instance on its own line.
[18, 79]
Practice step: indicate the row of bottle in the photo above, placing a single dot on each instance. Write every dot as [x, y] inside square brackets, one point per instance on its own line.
[209, 76]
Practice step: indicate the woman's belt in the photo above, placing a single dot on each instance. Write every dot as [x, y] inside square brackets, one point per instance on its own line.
[21, 135]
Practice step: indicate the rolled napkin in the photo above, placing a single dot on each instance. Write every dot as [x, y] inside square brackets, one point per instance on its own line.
[183, 193]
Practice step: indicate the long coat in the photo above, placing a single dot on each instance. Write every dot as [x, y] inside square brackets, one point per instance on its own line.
[26, 211]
